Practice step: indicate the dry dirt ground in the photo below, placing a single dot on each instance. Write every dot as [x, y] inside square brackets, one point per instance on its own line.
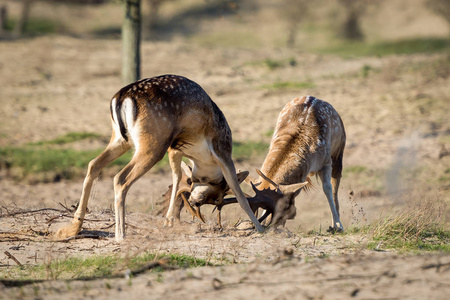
[396, 130]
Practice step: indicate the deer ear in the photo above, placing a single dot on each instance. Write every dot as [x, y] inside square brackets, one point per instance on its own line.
[187, 170]
[241, 176]
[292, 188]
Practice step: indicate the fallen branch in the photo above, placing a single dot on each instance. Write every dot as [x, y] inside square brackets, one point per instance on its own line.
[53, 218]
[162, 263]
[13, 258]
[108, 226]
[437, 266]
[66, 208]
[12, 214]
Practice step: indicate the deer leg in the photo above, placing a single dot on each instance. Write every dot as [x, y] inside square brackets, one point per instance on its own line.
[143, 160]
[115, 149]
[325, 177]
[175, 163]
[336, 174]
[229, 172]
[219, 218]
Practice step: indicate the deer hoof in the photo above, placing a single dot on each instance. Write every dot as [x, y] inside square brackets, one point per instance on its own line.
[168, 222]
[335, 229]
[67, 231]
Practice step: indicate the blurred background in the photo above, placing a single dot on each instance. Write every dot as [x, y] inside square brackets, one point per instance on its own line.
[317, 26]
[384, 65]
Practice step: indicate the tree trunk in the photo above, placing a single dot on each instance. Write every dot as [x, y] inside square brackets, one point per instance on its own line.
[3, 18]
[351, 28]
[21, 25]
[131, 40]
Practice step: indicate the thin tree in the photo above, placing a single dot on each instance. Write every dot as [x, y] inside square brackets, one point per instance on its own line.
[21, 25]
[354, 9]
[131, 41]
[3, 18]
[294, 11]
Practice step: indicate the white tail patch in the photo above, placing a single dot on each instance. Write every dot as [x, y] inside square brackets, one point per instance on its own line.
[128, 112]
[115, 122]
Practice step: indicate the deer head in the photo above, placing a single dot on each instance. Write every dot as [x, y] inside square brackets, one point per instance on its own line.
[282, 198]
[204, 191]
[277, 200]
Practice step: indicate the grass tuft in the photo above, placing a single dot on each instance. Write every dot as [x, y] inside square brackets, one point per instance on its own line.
[101, 266]
[418, 227]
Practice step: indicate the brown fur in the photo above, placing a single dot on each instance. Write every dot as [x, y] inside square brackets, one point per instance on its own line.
[157, 115]
[309, 139]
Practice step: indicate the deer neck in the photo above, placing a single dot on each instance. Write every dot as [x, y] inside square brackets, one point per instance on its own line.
[286, 162]
[202, 169]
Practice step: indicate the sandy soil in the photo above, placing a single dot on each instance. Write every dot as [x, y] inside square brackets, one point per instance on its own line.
[276, 265]
[396, 130]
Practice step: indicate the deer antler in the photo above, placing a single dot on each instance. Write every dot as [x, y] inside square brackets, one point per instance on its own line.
[194, 212]
[275, 185]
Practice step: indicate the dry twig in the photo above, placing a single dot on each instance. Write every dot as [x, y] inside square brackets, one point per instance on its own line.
[13, 258]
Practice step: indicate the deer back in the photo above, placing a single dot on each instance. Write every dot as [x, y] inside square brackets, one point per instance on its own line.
[167, 106]
[308, 134]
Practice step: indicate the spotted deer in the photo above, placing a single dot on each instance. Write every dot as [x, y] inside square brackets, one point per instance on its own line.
[308, 140]
[163, 114]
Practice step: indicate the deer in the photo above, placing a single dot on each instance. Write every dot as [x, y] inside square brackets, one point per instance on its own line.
[172, 114]
[193, 206]
[308, 140]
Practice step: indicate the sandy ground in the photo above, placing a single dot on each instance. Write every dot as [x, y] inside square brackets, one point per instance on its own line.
[396, 130]
[276, 265]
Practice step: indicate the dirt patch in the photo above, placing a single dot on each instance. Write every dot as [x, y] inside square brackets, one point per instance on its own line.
[271, 265]
[396, 119]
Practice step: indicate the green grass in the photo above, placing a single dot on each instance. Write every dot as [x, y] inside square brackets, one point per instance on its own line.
[269, 133]
[273, 64]
[35, 26]
[419, 227]
[68, 138]
[101, 266]
[249, 150]
[46, 160]
[408, 46]
[289, 85]
[356, 169]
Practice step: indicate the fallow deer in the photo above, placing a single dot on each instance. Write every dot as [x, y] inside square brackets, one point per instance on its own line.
[163, 114]
[308, 140]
